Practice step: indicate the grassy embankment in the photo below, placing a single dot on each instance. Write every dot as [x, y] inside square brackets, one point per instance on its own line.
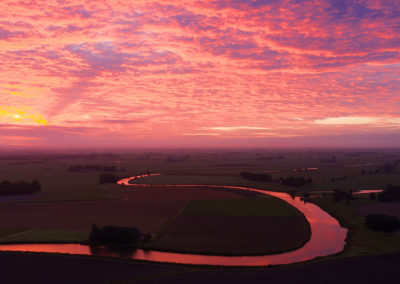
[360, 239]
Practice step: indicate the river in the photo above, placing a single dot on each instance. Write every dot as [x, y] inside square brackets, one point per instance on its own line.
[327, 238]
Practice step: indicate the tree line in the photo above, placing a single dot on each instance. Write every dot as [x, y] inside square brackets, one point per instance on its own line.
[256, 176]
[93, 168]
[289, 181]
[390, 193]
[19, 187]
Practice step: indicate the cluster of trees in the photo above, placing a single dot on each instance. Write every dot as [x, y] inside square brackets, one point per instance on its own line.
[390, 193]
[295, 181]
[171, 159]
[256, 176]
[386, 168]
[333, 179]
[272, 157]
[329, 160]
[19, 187]
[383, 223]
[93, 168]
[52, 157]
[113, 235]
[370, 172]
[108, 178]
[289, 181]
[339, 195]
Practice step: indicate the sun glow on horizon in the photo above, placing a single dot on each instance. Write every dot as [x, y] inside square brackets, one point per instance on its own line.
[10, 115]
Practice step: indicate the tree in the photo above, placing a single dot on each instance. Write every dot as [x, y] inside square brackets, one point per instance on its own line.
[113, 235]
[256, 176]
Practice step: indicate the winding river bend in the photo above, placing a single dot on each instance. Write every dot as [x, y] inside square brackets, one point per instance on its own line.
[327, 238]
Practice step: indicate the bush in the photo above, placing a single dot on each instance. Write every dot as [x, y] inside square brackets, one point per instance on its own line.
[372, 196]
[147, 237]
[256, 177]
[91, 168]
[295, 181]
[382, 223]
[339, 195]
[391, 193]
[113, 235]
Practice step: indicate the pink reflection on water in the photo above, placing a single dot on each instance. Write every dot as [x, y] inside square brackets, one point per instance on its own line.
[125, 181]
[368, 191]
[327, 238]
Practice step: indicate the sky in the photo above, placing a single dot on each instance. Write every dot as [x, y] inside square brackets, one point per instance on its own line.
[232, 73]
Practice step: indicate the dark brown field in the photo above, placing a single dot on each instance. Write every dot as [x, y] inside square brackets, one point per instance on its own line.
[235, 234]
[147, 209]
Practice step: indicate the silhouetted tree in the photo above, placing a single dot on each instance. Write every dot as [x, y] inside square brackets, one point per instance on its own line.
[256, 176]
[372, 196]
[296, 181]
[113, 235]
[390, 193]
[339, 195]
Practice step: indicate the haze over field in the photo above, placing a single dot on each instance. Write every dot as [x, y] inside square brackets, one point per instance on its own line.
[178, 73]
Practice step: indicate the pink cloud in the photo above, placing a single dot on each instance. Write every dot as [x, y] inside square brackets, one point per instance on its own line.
[181, 70]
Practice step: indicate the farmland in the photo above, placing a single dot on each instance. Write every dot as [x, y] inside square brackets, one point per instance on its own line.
[235, 226]
[70, 202]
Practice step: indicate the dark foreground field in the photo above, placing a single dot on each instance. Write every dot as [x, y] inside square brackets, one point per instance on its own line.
[24, 268]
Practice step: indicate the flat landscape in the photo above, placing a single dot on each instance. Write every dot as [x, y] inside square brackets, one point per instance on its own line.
[222, 141]
[208, 220]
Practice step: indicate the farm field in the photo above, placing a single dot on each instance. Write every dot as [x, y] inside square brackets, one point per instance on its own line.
[259, 225]
[70, 202]
[145, 208]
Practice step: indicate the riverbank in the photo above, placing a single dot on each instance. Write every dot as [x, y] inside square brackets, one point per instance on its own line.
[360, 239]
